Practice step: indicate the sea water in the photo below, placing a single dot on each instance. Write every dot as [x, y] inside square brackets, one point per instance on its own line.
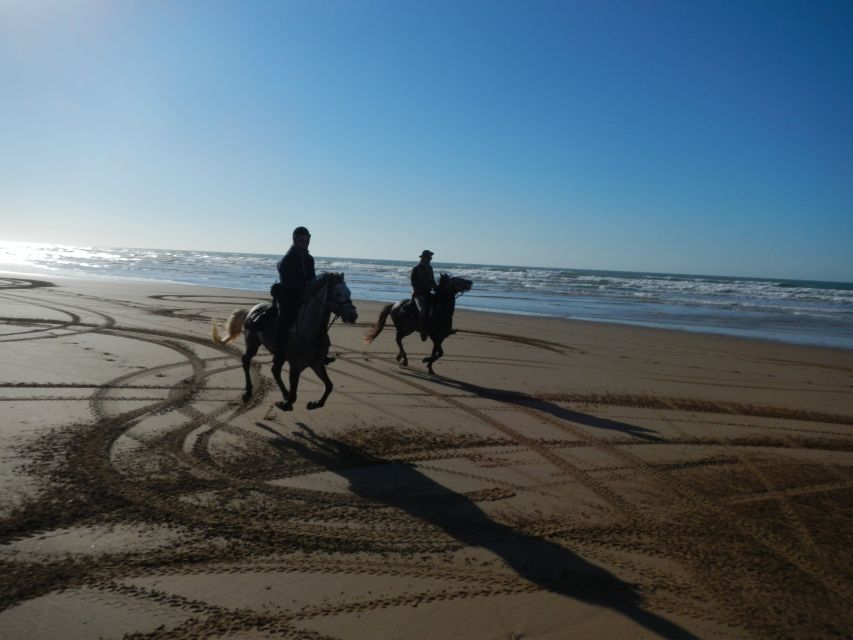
[795, 311]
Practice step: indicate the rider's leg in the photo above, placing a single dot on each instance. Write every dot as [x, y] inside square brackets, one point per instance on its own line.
[280, 322]
[421, 303]
[286, 317]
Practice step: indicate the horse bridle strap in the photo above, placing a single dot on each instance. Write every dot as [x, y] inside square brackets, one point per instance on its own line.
[337, 313]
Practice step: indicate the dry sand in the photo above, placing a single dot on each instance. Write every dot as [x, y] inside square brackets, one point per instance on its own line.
[555, 479]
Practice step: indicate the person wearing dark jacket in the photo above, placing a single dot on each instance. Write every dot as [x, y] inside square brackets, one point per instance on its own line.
[295, 270]
[423, 284]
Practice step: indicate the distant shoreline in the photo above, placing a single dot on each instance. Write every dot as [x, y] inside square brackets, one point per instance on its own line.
[782, 311]
[511, 316]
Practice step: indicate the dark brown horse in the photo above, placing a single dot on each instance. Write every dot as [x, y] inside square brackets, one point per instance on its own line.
[308, 342]
[404, 314]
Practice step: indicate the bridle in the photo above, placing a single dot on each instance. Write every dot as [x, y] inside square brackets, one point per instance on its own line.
[456, 294]
[334, 308]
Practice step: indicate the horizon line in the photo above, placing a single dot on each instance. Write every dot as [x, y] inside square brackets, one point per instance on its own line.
[457, 262]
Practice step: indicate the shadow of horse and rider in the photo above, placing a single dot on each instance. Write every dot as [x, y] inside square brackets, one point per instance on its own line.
[526, 401]
[539, 561]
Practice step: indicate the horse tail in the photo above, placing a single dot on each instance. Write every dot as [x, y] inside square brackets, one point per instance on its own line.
[234, 326]
[376, 329]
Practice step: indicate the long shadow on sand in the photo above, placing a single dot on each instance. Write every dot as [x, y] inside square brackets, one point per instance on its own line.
[542, 562]
[523, 400]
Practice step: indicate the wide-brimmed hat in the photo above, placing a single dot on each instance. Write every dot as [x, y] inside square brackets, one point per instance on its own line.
[427, 253]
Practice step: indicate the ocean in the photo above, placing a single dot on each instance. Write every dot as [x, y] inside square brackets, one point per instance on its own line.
[793, 311]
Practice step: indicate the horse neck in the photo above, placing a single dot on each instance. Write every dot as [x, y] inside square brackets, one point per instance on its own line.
[313, 316]
[445, 299]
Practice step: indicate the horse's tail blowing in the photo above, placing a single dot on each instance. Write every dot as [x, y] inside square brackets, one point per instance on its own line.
[376, 329]
[234, 326]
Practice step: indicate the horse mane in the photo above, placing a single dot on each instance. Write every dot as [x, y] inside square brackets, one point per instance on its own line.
[321, 280]
[443, 282]
[312, 286]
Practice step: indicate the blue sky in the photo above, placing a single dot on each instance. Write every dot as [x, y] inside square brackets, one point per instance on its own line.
[692, 137]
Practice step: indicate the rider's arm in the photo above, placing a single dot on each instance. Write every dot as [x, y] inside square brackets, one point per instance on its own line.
[291, 272]
[310, 274]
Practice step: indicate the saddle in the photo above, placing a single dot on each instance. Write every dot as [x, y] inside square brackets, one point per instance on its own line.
[261, 319]
[410, 307]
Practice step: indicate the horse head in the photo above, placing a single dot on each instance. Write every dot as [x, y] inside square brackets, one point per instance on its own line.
[338, 298]
[454, 284]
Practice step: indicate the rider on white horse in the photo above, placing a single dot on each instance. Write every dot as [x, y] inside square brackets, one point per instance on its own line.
[295, 270]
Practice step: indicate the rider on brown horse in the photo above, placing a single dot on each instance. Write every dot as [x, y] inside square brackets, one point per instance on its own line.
[423, 284]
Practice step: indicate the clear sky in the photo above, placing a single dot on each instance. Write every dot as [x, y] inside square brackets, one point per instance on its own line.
[694, 137]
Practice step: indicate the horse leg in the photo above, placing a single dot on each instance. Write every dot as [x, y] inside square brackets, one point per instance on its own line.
[402, 358]
[253, 343]
[320, 370]
[287, 404]
[437, 352]
[277, 365]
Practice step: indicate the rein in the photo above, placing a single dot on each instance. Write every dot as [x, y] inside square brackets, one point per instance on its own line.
[320, 299]
[336, 314]
[329, 307]
[335, 317]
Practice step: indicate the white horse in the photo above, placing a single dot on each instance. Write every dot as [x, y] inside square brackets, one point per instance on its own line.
[308, 341]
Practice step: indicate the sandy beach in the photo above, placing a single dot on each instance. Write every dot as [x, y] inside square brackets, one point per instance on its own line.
[554, 479]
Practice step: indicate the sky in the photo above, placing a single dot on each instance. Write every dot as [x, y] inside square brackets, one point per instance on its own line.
[669, 136]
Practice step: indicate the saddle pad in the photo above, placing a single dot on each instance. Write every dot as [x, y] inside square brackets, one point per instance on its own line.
[260, 318]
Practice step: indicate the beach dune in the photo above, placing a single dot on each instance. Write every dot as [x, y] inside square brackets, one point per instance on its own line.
[555, 479]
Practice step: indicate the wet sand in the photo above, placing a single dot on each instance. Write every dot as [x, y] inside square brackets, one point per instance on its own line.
[554, 479]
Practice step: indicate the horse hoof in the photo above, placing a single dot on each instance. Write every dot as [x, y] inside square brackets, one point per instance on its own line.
[247, 396]
[426, 360]
[285, 406]
[314, 404]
